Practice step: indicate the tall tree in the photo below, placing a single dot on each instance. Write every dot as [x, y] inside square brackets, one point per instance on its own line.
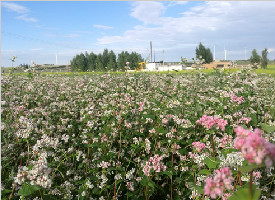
[204, 53]
[99, 63]
[255, 58]
[264, 60]
[79, 62]
[105, 58]
[122, 58]
[112, 65]
[91, 60]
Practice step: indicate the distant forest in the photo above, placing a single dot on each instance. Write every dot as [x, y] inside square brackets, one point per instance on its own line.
[107, 61]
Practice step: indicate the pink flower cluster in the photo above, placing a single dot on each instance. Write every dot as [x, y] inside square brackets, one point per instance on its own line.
[219, 183]
[227, 139]
[236, 99]
[198, 146]
[155, 163]
[210, 121]
[141, 106]
[253, 147]
[245, 119]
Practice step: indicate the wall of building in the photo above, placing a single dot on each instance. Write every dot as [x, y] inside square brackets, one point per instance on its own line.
[161, 67]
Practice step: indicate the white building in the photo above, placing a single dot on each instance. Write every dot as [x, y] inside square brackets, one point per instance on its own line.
[161, 67]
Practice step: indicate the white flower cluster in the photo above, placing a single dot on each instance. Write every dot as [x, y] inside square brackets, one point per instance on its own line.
[129, 174]
[89, 184]
[233, 159]
[46, 141]
[38, 175]
[147, 145]
[199, 158]
[26, 126]
[103, 181]
[65, 138]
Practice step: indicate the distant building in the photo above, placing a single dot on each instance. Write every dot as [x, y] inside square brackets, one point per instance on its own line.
[215, 64]
[163, 67]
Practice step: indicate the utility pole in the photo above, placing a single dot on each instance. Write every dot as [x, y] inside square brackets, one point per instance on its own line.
[224, 54]
[56, 61]
[163, 57]
[214, 53]
[151, 50]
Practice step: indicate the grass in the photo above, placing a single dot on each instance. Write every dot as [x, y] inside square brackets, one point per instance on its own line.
[270, 70]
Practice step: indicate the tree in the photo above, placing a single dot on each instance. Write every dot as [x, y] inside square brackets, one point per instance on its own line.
[105, 61]
[99, 63]
[134, 59]
[79, 62]
[255, 58]
[264, 59]
[112, 65]
[122, 58]
[204, 53]
[91, 61]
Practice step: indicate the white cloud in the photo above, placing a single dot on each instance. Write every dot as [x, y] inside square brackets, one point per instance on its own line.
[230, 24]
[148, 12]
[26, 18]
[22, 10]
[102, 27]
[72, 35]
[15, 7]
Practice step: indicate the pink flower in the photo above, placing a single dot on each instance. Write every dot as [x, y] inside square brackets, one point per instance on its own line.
[236, 99]
[198, 146]
[130, 186]
[221, 181]
[253, 147]
[155, 163]
[141, 106]
[127, 63]
[164, 121]
[226, 196]
[209, 121]
[146, 169]
[245, 119]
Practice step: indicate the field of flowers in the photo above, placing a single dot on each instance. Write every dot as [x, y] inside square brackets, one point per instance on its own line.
[138, 136]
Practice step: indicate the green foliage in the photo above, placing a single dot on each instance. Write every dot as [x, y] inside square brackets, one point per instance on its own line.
[28, 190]
[255, 58]
[244, 194]
[204, 53]
[107, 61]
[268, 128]
[264, 59]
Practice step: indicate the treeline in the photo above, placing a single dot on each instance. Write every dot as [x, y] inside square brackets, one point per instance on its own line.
[107, 61]
[256, 59]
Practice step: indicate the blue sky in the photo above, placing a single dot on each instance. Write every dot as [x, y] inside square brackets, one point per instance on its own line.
[39, 30]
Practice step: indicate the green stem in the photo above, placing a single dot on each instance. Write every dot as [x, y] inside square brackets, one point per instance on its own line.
[213, 146]
[146, 193]
[28, 151]
[250, 186]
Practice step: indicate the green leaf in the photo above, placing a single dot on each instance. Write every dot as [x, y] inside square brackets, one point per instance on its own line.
[151, 184]
[149, 116]
[168, 173]
[267, 128]
[144, 181]
[28, 190]
[254, 119]
[199, 189]
[211, 163]
[204, 172]
[5, 191]
[250, 167]
[244, 194]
